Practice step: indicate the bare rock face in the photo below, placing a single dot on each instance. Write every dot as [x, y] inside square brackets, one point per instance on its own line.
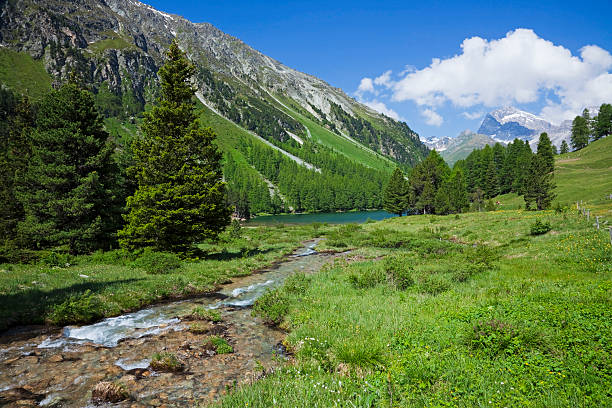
[121, 43]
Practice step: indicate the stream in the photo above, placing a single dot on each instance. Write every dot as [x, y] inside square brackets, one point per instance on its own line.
[53, 368]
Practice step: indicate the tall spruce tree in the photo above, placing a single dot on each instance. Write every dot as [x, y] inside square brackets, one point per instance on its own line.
[564, 148]
[580, 133]
[603, 121]
[67, 189]
[180, 197]
[540, 185]
[395, 199]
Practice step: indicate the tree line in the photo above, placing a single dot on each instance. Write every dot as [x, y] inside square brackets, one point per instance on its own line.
[432, 187]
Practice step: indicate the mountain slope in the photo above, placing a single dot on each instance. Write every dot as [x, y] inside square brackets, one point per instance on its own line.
[117, 46]
[457, 148]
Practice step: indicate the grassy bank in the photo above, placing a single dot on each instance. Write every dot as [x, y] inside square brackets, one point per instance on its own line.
[61, 290]
[448, 311]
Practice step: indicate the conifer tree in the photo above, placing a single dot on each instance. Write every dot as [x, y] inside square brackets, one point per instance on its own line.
[67, 188]
[540, 185]
[395, 198]
[603, 122]
[180, 197]
[564, 148]
[580, 133]
[545, 152]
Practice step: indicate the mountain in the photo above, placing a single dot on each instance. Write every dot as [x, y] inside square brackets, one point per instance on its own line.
[115, 47]
[458, 148]
[507, 123]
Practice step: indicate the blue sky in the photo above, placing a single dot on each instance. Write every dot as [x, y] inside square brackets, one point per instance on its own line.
[551, 58]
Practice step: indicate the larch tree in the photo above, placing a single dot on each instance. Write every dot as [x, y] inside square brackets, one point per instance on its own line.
[180, 195]
[603, 122]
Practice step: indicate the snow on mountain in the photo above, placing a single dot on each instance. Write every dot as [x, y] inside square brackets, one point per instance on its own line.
[507, 123]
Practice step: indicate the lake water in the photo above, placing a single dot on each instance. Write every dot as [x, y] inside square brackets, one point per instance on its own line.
[330, 218]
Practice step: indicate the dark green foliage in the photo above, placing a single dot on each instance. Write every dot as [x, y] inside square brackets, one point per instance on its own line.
[218, 344]
[68, 189]
[424, 182]
[366, 276]
[434, 285]
[297, 284]
[540, 185]
[603, 122]
[564, 148]
[539, 227]
[580, 133]
[492, 336]
[158, 262]
[16, 120]
[180, 197]
[395, 199]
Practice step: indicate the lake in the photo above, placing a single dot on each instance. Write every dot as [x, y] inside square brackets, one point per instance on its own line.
[357, 217]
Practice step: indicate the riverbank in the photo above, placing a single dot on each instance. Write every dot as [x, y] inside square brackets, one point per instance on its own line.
[64, 290]
[468, 310]
[65, 368]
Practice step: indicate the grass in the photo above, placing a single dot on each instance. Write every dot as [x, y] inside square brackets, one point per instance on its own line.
[516, 320]
[218, 345]
[61, 289]
[20, 72]
[354, 151]
[167, 362]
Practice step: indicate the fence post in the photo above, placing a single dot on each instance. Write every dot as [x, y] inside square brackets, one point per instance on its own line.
[597, 221]
[588, 215]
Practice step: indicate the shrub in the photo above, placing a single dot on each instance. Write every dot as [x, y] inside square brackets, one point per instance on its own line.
[166, 362]
[81, 308]
[57, 259]
[218, 344]
[272, 306]
[399, 273]
[201, 313]
[492, 336]
[434, 285]
[297, 284]
[540, 227]
[366, 276]
[12, 254]
[158, 262]
[482, 256]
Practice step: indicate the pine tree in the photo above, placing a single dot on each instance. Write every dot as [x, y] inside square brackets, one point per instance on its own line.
[395, 198]
[564, 148]
[603, 122]
[580, 133]
[180, 198]
[458, 193]
[67, 188]
[491, 186]
[540, 185]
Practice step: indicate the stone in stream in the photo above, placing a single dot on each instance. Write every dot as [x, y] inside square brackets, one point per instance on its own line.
[107, 391]
[19, 396]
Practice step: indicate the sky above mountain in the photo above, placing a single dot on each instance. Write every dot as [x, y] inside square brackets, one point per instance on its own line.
[437, 65]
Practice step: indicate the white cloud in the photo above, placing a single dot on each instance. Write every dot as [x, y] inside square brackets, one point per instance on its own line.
[516, 69]
[384, 80]
[432, 117]
[366, 85]
[382, 108]
[472, 115]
